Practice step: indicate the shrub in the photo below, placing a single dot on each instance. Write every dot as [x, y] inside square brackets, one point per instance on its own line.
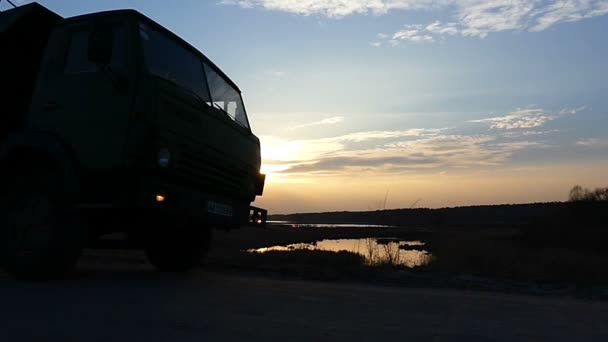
[580, 194]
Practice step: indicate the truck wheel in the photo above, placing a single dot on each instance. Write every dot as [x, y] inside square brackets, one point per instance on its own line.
[39, 238]
[176, 249]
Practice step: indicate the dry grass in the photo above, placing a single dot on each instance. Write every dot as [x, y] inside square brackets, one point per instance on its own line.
[493, 253]
[305, 263]
[465, 252]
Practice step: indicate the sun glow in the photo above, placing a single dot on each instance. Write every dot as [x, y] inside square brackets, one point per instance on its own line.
[272, 172]
[279, 155]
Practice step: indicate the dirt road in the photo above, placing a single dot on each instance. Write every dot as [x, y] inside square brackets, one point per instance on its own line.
[138, 304]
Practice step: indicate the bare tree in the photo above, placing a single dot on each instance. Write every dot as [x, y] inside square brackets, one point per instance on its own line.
[577, 193]
[580, 194]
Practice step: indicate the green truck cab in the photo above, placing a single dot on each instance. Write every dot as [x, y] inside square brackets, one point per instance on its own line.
[111, 123]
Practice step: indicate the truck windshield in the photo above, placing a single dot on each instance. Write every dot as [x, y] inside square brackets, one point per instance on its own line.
[168, 60]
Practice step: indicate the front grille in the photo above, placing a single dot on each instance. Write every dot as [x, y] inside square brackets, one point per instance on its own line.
[211, 174]
[194, 163]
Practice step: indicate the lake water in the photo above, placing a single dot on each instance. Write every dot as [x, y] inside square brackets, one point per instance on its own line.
[327, 225]
[375, 250]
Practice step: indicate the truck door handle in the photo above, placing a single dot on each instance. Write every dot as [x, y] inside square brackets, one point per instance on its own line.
[50, 106]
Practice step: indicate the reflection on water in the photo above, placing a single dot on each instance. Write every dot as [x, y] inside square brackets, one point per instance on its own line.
[375, 250]
[328, 225]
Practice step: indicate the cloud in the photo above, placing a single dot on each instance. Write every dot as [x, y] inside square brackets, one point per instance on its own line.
[275, 73]
[336, 8]
[412, 33]
[442, 29]
[479, 18]
[349, 162]
[328, 121]
[377, 135]
[593, 143]
[390, 152]
[527, 133]
[418, 150]
[417, 155]
[568, 11]
[457, 150]
[526, 118]
[472, 18]
[522, 118]
[283, 151]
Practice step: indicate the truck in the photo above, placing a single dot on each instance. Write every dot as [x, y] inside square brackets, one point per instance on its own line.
[110, 123]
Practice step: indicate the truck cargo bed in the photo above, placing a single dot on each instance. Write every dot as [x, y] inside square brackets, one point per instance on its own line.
[24, 32]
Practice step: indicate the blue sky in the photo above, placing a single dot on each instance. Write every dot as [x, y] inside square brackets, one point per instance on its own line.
[453, 101]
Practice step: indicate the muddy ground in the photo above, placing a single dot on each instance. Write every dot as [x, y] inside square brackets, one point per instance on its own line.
[115, 295]
[120, 301]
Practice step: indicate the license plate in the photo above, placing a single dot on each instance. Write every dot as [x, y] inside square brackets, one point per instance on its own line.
[219, 209]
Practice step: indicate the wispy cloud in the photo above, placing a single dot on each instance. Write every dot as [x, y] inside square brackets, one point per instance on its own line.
[336, 8]
[420, 150]
[275, 73]
[412, 33]
[281, 151]
[527, 133]
[568, 11]
[434, 152]
[376, 135]
[479, 18]
[473, 18]
[442, 29]
[593, 142]
[332, 164]
[526, 118]
[390, 152]
[329, 121]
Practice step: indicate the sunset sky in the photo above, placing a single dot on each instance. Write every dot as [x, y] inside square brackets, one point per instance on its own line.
[449, 102]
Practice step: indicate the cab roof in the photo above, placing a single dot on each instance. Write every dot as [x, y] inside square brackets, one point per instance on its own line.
[11, 17]
[137, 15]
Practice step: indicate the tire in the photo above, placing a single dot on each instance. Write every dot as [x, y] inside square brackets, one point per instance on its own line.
[39, 237]
[177, 249]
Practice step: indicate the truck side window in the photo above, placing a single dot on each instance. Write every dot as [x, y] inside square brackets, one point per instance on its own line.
[168, 60]
[77, 61]
[226, 97]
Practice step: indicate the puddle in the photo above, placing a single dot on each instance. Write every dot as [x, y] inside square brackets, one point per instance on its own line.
[328, 225]
[375, 250]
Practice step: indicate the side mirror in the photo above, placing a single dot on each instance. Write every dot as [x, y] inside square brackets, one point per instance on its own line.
[101, 42]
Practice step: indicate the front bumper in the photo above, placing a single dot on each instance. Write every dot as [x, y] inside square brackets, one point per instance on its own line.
[212, 209]
[152, 194]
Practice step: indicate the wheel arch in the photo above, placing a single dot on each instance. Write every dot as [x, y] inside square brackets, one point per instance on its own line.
[46, 149]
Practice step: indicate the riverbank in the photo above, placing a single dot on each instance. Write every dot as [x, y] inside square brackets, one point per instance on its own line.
[492, 259]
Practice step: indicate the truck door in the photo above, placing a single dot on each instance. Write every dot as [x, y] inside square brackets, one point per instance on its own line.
[86, 104]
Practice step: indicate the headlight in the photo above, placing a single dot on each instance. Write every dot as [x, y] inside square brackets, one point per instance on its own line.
[164, 157]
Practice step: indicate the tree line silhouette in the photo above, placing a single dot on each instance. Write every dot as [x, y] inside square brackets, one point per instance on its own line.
[580, 194]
